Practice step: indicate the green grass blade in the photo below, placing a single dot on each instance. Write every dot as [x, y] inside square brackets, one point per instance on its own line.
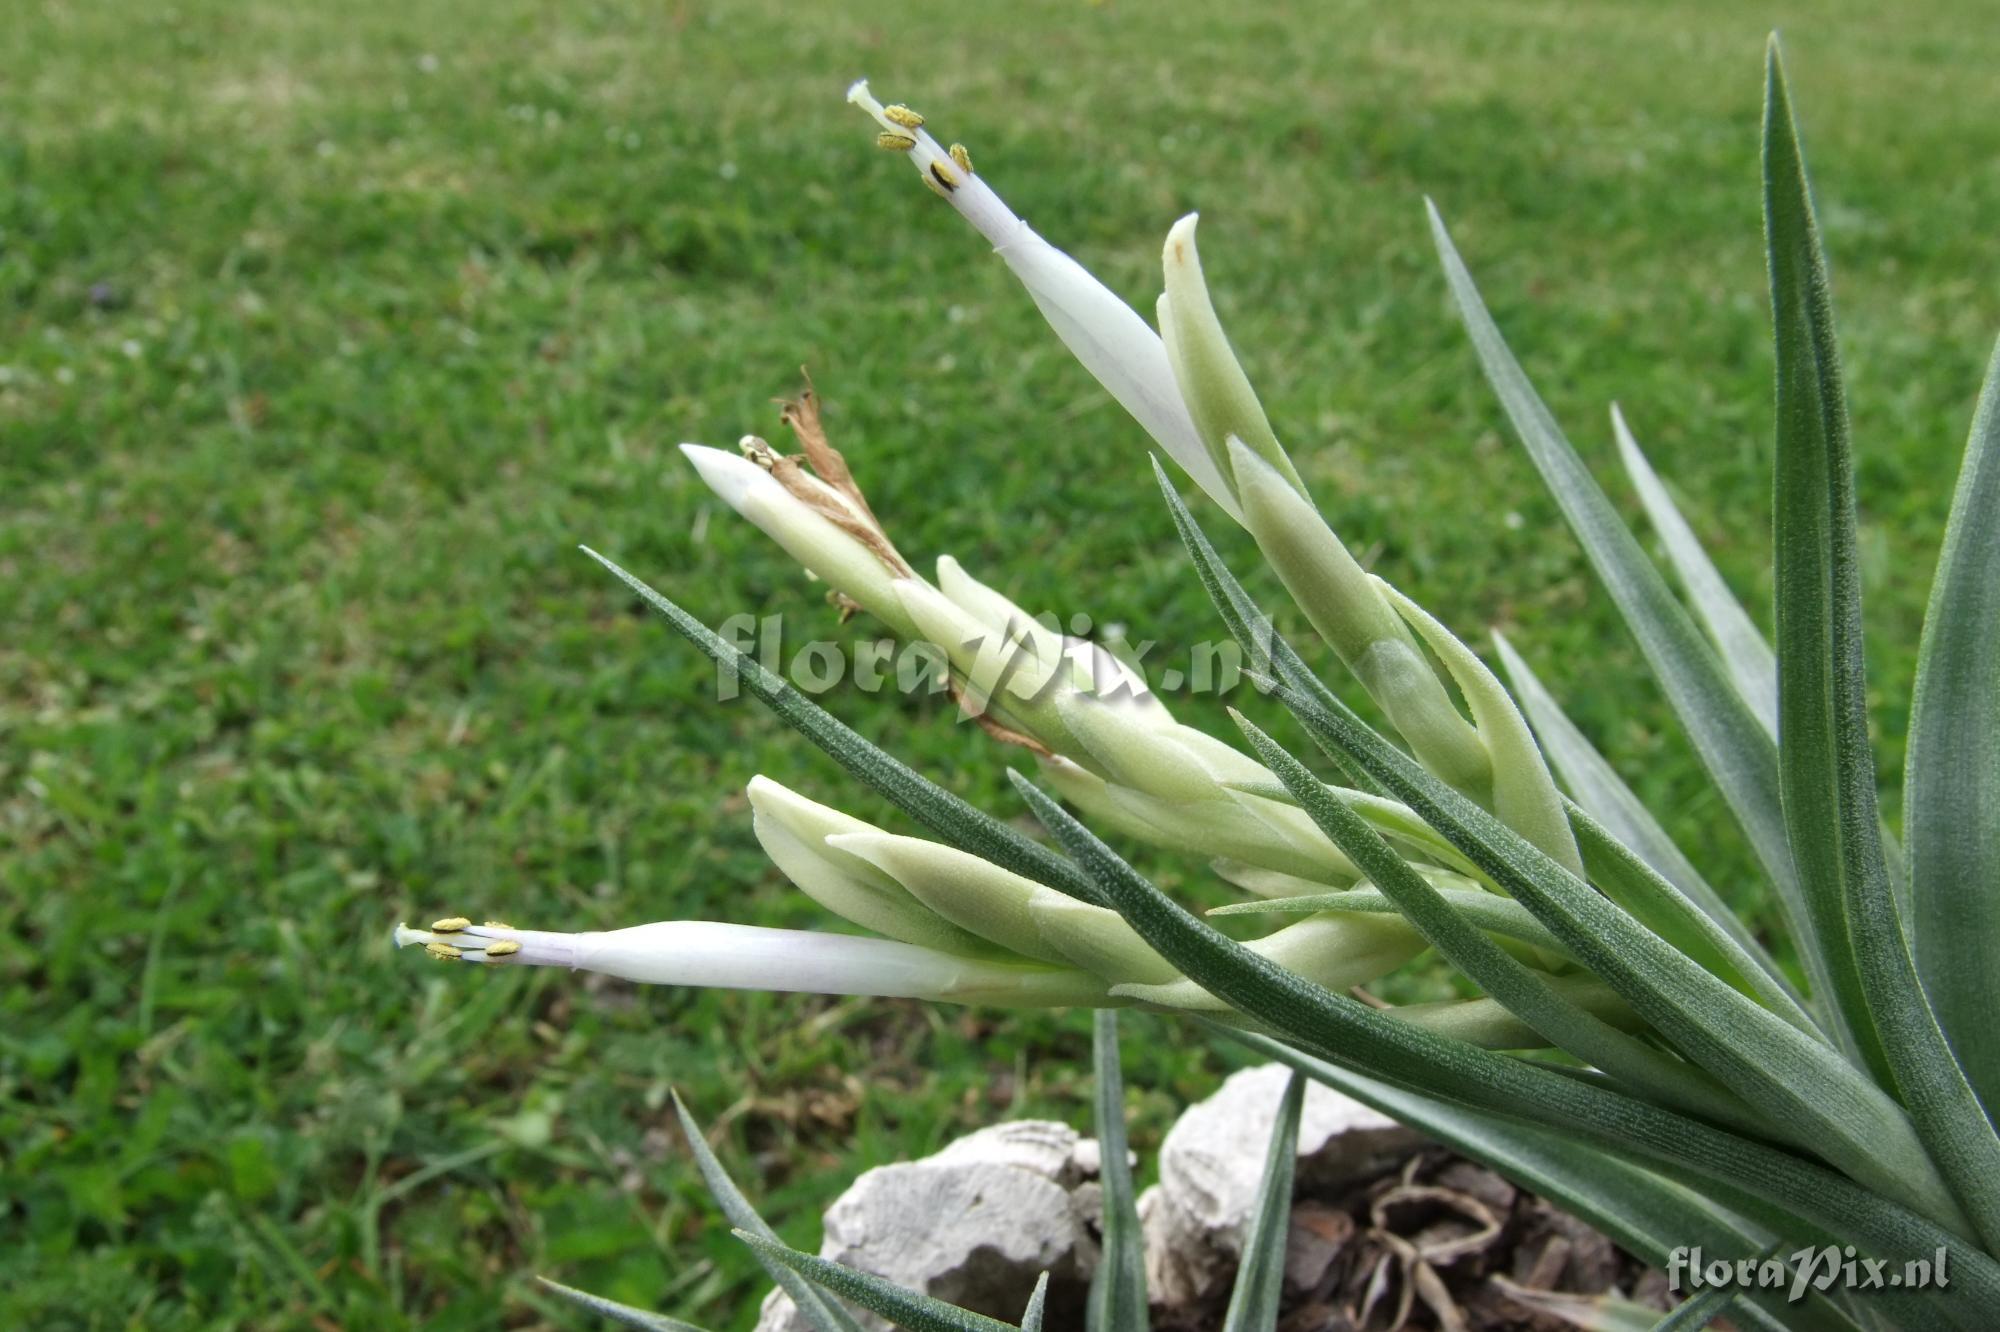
[1260, 1277]
[1738, 754]
[1738, 640]
[1118, 1287]
[1829, 769]
[1793, 1079]
[1038, 1301]
[1599, 789]
[623, 1314]
[1348, 1033]
[901, 1306]
[1646, 1213]
[1524, 992]
[1951, 802]
[951, 818]
[821, 1312]
[1488, 911]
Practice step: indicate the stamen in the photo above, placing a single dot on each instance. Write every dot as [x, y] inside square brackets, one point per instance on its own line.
[450, 924]
[502, 947]
[497, 925]
[963, 158]
[903, 116]
[894, 142]
[944, 175]
[443, 952]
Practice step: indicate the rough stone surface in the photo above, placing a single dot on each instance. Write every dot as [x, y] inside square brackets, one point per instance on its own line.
[975, 1225]
[1212, 1163]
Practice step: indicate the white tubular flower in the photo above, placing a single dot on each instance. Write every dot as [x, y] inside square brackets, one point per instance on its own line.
[1104, 333]
[857, 570]
[751, 957]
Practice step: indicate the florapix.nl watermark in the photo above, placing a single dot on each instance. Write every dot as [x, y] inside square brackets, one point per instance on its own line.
[1803, 1271]
[1110, 668]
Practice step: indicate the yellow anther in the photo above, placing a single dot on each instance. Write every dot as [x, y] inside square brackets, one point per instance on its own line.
[450, 924]
[497, 924]
[943, 176]
[503, 947]
[443, 952]
[903, 116]
[963, 158]
[894, 142]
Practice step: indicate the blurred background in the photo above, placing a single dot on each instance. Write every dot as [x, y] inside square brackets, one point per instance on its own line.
[327, 332]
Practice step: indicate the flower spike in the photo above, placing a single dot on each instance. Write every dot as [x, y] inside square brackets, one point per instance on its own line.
[1108, 336]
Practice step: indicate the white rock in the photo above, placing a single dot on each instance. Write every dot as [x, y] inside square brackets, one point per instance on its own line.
[975, 1224]
[1213, 1161]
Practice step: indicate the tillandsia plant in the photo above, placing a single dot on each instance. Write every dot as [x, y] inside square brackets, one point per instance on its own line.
[1636, 1052]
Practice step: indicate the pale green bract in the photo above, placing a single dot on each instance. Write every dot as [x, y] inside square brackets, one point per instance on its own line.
[1637, 1053]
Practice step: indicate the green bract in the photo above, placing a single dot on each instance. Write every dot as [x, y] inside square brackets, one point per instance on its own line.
[1723, 1101]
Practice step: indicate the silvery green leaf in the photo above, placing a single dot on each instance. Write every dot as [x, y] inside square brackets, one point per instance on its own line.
[1118, 1287]
[1951, 803]
[901, 1306]
[622, 1314]
[824, 1314]
[1524, 991]
[1800, 1085]
[1600, 790]
[1260, 1276]
[1752, 664]
[1828, 767]
[1646, 1213]
[1738, 754]
[1031, 1317]
[1211, 961]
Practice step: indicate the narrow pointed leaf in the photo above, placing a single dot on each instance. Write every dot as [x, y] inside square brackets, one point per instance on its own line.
[822, 1313]
[1752, 664]
[1348, 1033]
[1646, 1213]
[904, 1307]
[1773, 1066]
[1738, 754]
[1524, 992]
[1951, 803]
[1799, 1083]
[1622, 876]
[1038, 1300]
[1260, 1277]
[945, 814]
[1600, 790]
[622, 1314]
[1829, 769]
[1118, 1287]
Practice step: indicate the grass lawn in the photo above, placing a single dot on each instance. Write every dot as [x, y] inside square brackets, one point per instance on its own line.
[328, 331]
